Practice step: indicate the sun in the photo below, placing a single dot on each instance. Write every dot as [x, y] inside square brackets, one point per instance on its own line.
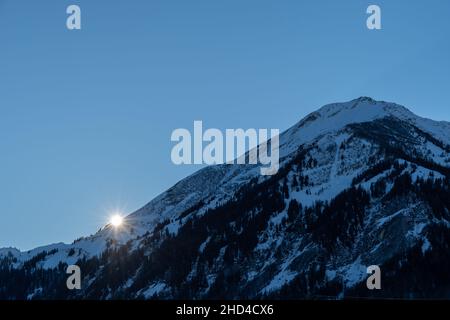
[116, 220]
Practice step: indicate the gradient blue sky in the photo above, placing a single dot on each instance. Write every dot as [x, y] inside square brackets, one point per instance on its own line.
[86, 116]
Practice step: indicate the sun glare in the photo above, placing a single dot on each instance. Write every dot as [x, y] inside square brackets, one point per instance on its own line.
[116, 220]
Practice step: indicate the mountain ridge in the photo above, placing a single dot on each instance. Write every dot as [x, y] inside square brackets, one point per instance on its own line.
[328, 111]
[377, 156]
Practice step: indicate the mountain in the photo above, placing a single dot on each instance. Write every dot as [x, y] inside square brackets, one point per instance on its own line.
[360, 183]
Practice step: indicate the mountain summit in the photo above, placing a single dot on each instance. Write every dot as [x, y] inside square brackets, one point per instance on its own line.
[361, 183]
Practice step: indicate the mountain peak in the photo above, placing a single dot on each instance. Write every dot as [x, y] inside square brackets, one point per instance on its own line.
[364, 99]
[336, 116]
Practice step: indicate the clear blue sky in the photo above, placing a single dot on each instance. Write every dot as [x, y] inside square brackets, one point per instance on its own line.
[86, 116]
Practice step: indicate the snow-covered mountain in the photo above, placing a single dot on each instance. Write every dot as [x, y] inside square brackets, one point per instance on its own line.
[360, 183]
